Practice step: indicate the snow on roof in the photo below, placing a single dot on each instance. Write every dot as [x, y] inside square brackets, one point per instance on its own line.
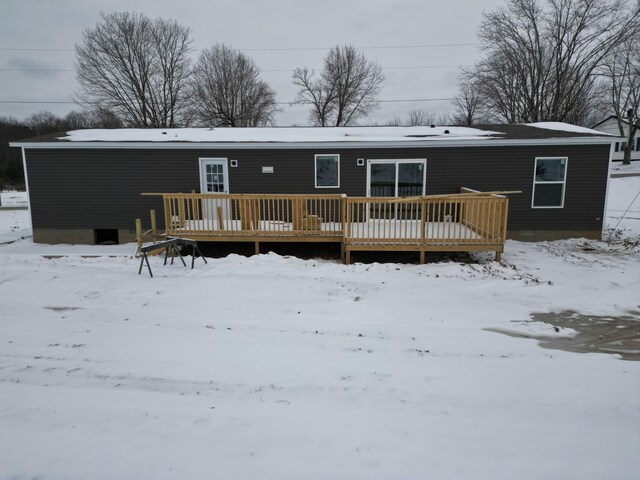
[279, 134]
[565, 127]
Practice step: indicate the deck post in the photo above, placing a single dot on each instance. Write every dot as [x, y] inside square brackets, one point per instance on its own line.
[257, 245]
[498, 256]
[342, 250]
[139, 235]
[422, 257]
[347, 258]
[154, 223]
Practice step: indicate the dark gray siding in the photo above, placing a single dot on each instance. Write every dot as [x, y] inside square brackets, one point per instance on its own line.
[512, 169]
[100, 188]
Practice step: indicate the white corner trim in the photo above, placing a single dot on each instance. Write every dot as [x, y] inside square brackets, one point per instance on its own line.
[606, 192]
[26, 186]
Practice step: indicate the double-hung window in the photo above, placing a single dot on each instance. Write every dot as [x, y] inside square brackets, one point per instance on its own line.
[549, 182]
[327, 170]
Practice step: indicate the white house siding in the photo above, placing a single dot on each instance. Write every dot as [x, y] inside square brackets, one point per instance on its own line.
[610, 125]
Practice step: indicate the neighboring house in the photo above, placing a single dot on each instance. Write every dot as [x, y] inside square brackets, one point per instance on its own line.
[86, 184]
[610, 125]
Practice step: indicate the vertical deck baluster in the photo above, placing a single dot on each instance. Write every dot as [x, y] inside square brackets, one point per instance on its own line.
[482, 219]
[447, 216]
[435, 226]
[494, 223]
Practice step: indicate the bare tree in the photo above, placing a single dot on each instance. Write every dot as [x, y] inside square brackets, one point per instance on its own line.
[95, 118]
[77, 120]
[468, 101]
[228, 91]
[345, 91]
[394, 122]
[136, 68]
[44, 122]
[420, 117]
[622, 90]
[11, 173]
[541, 57]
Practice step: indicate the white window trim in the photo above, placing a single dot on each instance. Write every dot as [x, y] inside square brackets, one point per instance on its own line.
[563, 182]
[397, 162]
[315, 169]
[203, 176]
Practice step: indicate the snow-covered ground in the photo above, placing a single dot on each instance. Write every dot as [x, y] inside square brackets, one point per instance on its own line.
[273, 367]
[619, 167]
[12, 198]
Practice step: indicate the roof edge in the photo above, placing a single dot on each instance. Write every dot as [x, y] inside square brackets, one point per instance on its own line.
[485, 142]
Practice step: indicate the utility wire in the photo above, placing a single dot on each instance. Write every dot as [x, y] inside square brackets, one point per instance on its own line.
[296, 49]
[68, 102]
[262, 70]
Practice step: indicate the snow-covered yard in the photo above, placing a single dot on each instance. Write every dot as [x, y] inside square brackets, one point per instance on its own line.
[274, 367]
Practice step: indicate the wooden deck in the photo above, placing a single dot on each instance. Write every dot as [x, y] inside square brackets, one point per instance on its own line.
[465, 221]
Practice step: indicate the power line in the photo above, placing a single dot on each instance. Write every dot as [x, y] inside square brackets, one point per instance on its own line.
[68, 102]
[37, 49]
[295, 49]
[372, 47]
[417, 67]
[421, 67]
[37, 70]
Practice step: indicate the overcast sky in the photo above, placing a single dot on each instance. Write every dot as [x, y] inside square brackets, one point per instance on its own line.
[37, 38]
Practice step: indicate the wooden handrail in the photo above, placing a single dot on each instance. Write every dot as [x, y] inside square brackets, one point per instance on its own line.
[441, 220]
[255, 214]
[468, 218]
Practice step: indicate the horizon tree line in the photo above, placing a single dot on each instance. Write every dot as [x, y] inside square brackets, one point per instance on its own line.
[575, 61]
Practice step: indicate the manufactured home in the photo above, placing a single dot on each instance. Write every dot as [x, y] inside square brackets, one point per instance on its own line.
[408, 188]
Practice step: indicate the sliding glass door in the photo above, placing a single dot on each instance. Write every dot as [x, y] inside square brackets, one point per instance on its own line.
[396, 178]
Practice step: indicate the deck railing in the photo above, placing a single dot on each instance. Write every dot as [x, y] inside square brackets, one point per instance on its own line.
[435, 220]
[469, 218]
[254, 215]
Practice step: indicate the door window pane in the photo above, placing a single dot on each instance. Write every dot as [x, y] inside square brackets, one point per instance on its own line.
[214, 177]
[410, 179]
[383, 180]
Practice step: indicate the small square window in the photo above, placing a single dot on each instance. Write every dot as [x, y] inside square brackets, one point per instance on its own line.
[360, 162]
[549, 181]
[233, 163]
[327, 171]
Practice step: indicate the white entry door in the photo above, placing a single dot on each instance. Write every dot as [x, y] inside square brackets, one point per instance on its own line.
[214, 179]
